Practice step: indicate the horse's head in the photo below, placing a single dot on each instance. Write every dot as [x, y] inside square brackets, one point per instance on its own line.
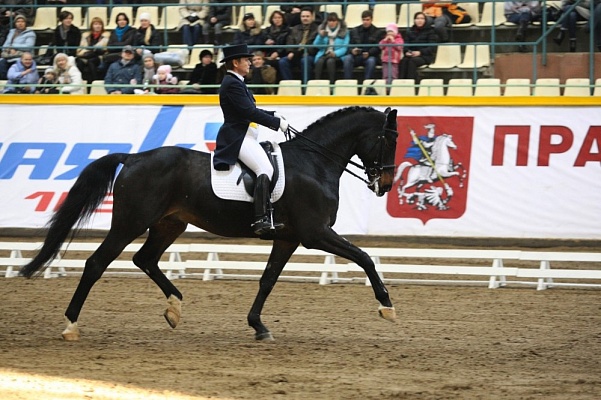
[379, 161]
[448, 140]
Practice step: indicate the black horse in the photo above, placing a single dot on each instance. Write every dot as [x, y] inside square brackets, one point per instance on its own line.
[165, 189]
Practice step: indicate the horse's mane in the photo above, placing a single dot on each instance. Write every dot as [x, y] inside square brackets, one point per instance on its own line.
[318, 125]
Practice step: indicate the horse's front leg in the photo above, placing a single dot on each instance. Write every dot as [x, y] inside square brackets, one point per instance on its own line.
[280, 254]
[333, 243]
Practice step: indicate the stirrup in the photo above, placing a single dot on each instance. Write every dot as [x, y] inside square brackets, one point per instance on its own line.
[264, 225]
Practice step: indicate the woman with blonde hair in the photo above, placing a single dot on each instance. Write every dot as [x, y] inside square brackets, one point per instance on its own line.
[91, 49]
[69, 77]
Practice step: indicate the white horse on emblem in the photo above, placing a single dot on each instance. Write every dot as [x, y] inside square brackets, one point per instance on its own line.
[442, 166]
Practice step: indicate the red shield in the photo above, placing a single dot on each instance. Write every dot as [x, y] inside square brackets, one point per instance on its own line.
[432, 177]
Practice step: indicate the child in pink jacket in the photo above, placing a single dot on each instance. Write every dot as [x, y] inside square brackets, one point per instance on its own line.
[392, 52]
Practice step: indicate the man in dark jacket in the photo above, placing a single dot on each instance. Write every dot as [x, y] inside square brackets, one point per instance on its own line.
[303, 35]
[360, 54]
[237, 137]
[219, 16]
[125, 72]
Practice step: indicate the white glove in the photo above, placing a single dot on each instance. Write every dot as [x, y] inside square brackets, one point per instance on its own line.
[283, 124]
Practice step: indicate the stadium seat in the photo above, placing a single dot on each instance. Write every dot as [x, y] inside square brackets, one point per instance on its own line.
[476, 56]
[169, 18]
[100, 12]
[195, 54]
[256, 10]
[378, 84]
[352, 16]
[546, 87]
[327, 8]
[290, 88]
[517, 87]
[402, 87]
[487, 87]
[431, 87]
[45, 19]
[154, 15]
[406, 13]
[473, 11]
[346, 87]
[460, 88]
[2, 84]
[447, 56]
[129, 11]
[597, 91]
[318, 87]
[77, 16]
[486, 19]
[384, 13]
[577, 87]
[97, 87]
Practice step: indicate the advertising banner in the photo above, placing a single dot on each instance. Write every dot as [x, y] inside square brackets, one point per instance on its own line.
[510, 172]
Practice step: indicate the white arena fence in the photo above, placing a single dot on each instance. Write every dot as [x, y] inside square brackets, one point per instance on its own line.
[494, 268]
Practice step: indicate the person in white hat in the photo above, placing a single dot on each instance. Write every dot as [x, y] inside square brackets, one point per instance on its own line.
[237, 137]
[147, 36]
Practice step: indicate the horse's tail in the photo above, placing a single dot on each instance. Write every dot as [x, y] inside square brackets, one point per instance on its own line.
[399, 172]
[84, 197]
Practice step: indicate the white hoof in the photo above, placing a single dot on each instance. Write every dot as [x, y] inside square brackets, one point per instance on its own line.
[173, 313]
[388, 313]
[71, 333]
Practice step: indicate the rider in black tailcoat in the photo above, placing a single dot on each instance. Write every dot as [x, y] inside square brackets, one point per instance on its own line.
[237, 137]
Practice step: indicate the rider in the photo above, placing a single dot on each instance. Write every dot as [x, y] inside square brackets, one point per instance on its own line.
[423, 152]
[237, 137]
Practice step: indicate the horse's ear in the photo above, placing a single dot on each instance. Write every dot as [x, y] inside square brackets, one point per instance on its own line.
[387, 110]
[391, 114]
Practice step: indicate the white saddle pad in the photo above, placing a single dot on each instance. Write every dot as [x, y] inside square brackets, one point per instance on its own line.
[225, 183]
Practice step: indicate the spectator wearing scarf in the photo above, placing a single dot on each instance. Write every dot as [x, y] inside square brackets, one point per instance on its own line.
[147, 37]
[123, 35]
[333, 37]
[66, 35]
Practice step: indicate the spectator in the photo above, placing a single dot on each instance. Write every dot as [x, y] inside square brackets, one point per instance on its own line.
[443, 15]
[193, 13]
[147, 37]
[20, 39]
[418, 52]
[392, 52]
[292, 11]
[22, 72]
[334, 37]
[69, 77]
[361, 54]
[521, 13]
[66, 35]
[219, 16]
[9, 9]
[149, 70]
[261, 73]
[49, 78]
[204, 73]
[167, 81]
[569, 23]
[92, 48]
[275, 36]
[126, 73]
[123, 35]
[302, 35]
[250, 32]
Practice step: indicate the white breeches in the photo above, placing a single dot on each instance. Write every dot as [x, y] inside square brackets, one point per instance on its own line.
[253, 155]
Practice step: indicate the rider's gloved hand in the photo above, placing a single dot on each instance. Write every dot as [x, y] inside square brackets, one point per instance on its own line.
[283, 124]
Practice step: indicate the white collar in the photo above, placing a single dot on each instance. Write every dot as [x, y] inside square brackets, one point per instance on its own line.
[236, 74]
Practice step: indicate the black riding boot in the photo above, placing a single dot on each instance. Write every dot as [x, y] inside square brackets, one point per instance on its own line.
[263, 223]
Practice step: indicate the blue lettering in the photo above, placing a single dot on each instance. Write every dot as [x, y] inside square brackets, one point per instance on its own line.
[80, 156]
[43, 165]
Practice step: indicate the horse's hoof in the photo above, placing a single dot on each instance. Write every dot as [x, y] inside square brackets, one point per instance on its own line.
[71, 333]
[173, 313]
[388, 313]
[264, 337]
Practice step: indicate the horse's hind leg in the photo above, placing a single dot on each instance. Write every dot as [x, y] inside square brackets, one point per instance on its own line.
[280, 254]
[160, 237]
[109, 249]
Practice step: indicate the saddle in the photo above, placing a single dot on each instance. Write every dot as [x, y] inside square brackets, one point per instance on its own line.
[249, 178]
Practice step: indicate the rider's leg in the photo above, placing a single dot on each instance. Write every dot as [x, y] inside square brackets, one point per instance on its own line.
[253, 155]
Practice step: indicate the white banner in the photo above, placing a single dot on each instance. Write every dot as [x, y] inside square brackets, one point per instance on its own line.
[527, 172]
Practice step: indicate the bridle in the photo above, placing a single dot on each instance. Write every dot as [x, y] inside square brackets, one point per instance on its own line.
[374, 172]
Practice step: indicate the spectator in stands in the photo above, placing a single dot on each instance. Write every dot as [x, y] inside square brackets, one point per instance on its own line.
[597, 25]
[275, 36]
[167, 82]
[20, 39]
[147, 38]
[521, 13]
[193, 13]
[66, 35]
[569, 23]
[261, 73]
[123, 35]
[126, 73]
[361, 54]
[219, 16]
[302, 35]
[49, 78]
[149, 70]
[419, 52]
[250, 32]
[91, 49]
[69, 77]
[333, 37]
[443, 15]
[204, 73]
[9, 9]
[292, 11]
[22, 72]
[392, 52]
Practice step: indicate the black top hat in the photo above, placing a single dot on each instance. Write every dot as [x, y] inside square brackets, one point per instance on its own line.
[236, 51]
